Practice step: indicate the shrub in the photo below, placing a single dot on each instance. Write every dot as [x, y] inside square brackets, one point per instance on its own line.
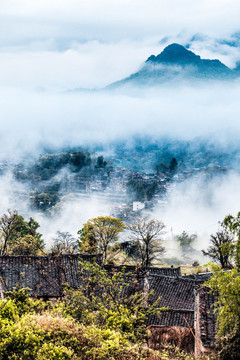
[111, 301]
[23, 303]
[50, 336]
[49, 351]
[8, 310]
[226, 285]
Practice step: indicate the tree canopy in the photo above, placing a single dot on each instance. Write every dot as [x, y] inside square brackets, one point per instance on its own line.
[146, 235]
[64, 243]
[232, 224]
[99, 233]
[185, 241]
[226, 286]
[17, 234]
[221, 249]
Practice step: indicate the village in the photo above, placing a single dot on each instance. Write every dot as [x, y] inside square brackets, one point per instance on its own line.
[188, 320]
[128, 192]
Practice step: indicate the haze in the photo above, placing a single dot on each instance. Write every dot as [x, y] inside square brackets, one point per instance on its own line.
[50, 48]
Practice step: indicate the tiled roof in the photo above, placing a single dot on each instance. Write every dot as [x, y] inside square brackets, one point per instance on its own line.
[177, 294]
[167, 271]
[174, 293]
[207, 317]
[44, 275]
[181, 318]
[200, 276]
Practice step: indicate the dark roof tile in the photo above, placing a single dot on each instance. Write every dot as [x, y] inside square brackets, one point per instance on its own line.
[174, 293]
[44, 275]
[207, 317]
[181, 318]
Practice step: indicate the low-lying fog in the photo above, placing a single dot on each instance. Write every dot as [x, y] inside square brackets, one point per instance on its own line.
[32, 121]
[48, 49]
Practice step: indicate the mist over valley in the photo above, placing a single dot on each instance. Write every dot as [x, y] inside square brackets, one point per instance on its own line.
[108, 124]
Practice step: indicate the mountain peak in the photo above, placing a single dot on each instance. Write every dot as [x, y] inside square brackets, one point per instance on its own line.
[176, 63]
[175, 53]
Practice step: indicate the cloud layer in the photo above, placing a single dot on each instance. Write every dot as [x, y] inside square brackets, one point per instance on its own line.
[67, 44]
[48, 47]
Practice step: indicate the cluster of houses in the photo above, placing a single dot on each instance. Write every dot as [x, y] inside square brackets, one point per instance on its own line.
[188, 321]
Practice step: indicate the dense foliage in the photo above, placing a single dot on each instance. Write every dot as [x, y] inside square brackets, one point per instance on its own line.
[86, 325]
[19, 237]
[99, 233]
[116, 300]
[226, 285]
[141, 191]
[232, 225]
[49, 165]
[221, 249]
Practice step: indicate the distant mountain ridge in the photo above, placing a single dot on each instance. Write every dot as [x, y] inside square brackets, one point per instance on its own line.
[177, 54]
[176, 63]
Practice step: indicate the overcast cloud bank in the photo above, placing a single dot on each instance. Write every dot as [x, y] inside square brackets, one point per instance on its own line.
[49, 47]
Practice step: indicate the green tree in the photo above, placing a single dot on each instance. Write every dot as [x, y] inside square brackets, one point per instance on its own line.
[140, 190]
[221, 249]
[163, 168]
[226, 286]
[111, 300]
[26, 245]
[146, 235]
[99, 233]
[87, 240]
[13, 227]
[185, 241]
[44, 201]
[231, 224]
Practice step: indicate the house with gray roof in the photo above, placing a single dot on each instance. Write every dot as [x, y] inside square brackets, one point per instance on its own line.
[188, 305]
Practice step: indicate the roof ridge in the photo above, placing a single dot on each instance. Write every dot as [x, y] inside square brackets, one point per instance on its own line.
[177, 277]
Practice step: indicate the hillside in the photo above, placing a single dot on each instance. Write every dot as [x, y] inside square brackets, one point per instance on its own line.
[177, 63]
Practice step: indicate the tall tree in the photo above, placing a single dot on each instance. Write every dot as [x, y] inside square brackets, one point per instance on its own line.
[147, 234]
[226, 285]
[232, 224]
[221, 249]
[64, 243]
[99, 233]
[185, 241]
[101, 163]
[13, 227]
[26, 245]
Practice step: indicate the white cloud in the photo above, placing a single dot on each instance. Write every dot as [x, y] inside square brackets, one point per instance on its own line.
[29, 119]
[68, 43]
[89, 65]
[64, 44]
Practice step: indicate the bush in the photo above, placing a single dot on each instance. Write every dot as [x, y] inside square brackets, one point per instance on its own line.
[33, 330]
[229, 345]
[226, 286]
[49, 351]
[8, 310]
[23, 303]
[110, 301]
[50, 337]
